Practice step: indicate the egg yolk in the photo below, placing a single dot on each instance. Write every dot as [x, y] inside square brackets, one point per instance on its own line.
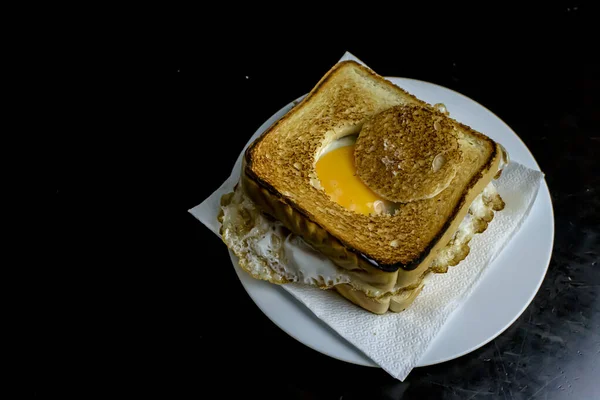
[337, 172]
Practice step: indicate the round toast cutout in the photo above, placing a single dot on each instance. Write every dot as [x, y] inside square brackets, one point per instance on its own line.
[407, 153]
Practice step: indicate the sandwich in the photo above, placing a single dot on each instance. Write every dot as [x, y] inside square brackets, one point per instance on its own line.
[363, 189]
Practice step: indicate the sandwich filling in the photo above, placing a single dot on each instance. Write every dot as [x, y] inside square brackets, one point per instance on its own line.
[268, 251]
[336, 171]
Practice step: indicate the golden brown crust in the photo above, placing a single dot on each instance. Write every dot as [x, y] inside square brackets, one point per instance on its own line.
[364, 277]
[319, 238]
[282, 161]
[407, 153]
[451, 255]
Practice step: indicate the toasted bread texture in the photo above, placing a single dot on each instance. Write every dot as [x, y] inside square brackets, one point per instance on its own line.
[282, 160]
[407, 153]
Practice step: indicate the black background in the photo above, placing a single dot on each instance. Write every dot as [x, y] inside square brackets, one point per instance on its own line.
[143, 299]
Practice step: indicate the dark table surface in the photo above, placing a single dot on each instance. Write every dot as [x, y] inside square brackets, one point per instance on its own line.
[188, 327]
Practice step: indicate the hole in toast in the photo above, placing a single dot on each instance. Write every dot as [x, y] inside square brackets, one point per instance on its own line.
[336, 172]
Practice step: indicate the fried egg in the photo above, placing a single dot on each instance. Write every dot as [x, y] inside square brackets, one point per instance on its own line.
[337, 173]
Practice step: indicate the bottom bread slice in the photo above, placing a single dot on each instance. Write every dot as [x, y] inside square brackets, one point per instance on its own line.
[396, 303]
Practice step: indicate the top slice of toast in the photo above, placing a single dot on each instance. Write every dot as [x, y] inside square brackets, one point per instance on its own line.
[282, 160]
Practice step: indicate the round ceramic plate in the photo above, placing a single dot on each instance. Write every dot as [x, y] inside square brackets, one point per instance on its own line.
[527, 255]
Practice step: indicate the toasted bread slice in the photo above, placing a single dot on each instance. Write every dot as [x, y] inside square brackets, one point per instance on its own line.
[279, 170]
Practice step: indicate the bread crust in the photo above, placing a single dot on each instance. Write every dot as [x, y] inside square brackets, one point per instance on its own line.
[360, 289]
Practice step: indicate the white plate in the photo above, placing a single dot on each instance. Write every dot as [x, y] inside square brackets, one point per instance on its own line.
[527, 256]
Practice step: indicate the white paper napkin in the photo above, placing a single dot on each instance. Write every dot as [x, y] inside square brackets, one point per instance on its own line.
[396, 342]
